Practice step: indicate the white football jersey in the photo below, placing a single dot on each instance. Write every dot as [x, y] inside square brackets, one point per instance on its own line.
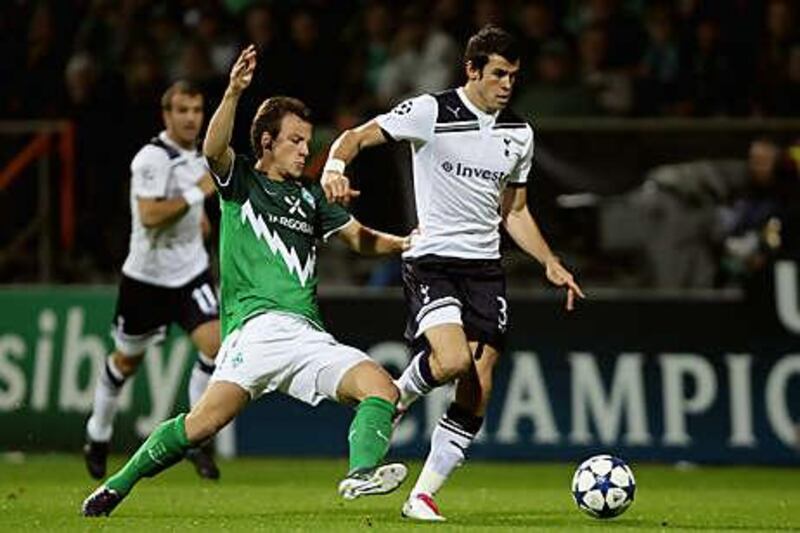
[170, 256]
[462, 161]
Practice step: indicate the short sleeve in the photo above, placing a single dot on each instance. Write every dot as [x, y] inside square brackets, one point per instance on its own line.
[411, 120]
[232, 184]
[520, 173]
[150, 171]
[330, 217]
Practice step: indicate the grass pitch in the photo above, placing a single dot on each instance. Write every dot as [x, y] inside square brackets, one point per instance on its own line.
[44, 493]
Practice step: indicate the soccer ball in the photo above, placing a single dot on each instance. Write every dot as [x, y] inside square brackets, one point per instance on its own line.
[603, 486]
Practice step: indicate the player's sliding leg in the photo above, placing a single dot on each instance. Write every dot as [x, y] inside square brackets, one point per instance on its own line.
[370, 432]
[453, 435]
[206, 337]
[443, 356]
[167, 445]
[100, 426]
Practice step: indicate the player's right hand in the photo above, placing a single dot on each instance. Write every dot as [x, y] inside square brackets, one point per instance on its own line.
[337, 188]
[561, 277]
[242, 70]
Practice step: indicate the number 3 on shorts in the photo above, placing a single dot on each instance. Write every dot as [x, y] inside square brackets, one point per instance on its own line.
[502, 313]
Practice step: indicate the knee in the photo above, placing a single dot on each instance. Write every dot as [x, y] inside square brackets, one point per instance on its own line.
[383, 388]
[127, 364]
[390, 392]
[453, 363]
[212, 350]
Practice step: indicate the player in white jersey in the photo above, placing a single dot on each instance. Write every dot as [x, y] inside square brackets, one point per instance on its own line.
[165, 278]
[470, 158]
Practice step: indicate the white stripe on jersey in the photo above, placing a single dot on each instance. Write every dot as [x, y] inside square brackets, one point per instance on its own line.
[462, 161]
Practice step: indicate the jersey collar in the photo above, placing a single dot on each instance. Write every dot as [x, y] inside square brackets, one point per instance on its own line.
[164, 137]
[483, 116]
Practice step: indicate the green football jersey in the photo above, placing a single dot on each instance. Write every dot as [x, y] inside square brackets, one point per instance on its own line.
[268, 235]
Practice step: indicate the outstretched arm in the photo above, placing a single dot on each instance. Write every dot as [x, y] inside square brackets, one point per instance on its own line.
[412, 120]
[368, 241]
[216, 146]
[343, 150]
[520, 224]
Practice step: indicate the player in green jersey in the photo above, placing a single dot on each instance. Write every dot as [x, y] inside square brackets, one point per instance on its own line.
[273, 337]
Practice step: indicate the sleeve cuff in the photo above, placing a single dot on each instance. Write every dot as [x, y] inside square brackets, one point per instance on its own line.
[194, 196]
[222, 181]
[327, 234]
[386, 134]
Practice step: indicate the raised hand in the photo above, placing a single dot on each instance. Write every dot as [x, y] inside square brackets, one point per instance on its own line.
[242, 70]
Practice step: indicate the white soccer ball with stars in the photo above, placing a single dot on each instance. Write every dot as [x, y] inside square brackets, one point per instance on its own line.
[603, 486]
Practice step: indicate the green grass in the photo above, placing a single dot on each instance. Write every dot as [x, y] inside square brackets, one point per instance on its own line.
[44, 493]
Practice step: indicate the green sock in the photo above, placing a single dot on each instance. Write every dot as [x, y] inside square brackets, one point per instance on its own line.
[370, 433]
[163, 448]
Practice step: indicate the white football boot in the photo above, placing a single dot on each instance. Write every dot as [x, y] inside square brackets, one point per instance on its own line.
[422, 507]
[382, 479]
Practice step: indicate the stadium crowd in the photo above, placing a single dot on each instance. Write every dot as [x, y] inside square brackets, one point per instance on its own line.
[583, 57]
[104, 64]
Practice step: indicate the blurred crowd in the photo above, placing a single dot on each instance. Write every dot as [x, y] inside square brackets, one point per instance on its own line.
[582, 57]
[104, 64]
[717, 223]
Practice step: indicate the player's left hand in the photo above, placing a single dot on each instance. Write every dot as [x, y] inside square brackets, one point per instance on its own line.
[561, 277]
[409, 240]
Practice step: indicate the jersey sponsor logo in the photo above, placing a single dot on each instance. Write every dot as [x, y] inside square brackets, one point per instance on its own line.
[291, 223]
[294, 205]
[471, 171]
[303, 271]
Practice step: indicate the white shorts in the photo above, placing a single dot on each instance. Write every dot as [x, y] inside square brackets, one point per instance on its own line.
[283, 352]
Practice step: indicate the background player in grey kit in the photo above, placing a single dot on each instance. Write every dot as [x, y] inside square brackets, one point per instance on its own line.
[471, 159]
[274, 339]
[165, 278]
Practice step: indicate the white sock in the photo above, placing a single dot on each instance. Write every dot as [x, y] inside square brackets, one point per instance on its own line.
[449, 443]
[198, 381]
[416, 380]
[100, 426]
